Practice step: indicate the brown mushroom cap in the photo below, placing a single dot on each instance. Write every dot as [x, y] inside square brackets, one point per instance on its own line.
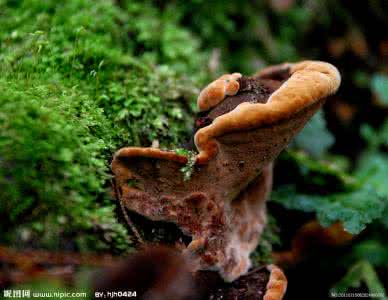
[277, 284]
[215, 92]
[309, 82]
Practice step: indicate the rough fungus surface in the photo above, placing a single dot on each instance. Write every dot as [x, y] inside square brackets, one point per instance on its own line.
[243, 125]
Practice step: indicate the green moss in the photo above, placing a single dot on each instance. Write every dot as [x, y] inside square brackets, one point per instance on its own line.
[54, 147]
[81, 79]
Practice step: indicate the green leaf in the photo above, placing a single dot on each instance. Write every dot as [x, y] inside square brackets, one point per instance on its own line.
[373, 169]
[321, 172]
[315, 138]
[364, 198]
[375, 137]
[379, 85]
[373, 250]
[354, 209]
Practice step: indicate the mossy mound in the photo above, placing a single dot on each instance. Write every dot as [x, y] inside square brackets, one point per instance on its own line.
[79, 80]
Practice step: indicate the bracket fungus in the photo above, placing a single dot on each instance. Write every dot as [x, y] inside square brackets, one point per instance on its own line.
[243, 125]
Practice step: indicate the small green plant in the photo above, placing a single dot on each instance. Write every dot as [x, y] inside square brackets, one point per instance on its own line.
[188, 169]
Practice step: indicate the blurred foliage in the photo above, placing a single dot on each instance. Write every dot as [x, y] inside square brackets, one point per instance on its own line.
[81, 78]
[354, 209]
[357, 199]
[364, 197]
[361, 272]
[379, 84]
[321, 145]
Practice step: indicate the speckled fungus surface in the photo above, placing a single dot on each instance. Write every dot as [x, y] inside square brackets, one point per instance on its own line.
[243, 125]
